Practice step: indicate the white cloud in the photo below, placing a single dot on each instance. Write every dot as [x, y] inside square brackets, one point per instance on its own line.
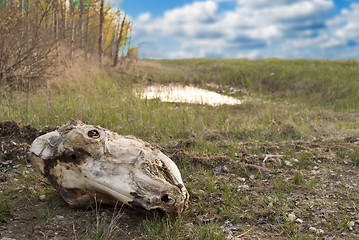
[253, 29]
[346, 25]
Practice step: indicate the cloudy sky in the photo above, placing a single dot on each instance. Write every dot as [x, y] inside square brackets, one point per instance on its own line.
[324, 29]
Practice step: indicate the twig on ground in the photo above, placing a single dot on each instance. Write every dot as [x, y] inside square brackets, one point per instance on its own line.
[241, 235]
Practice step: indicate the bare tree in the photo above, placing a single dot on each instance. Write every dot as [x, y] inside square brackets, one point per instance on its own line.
[117, 49]
[26, 53]
[28, 40]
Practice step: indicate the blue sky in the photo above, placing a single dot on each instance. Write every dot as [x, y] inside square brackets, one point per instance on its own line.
[254, 29]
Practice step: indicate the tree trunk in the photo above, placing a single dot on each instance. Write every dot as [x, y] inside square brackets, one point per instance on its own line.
[63, 19]
[87, 30]
[72, 32]
[20, 6]
[100, 40]
[55, 24]
[81, 29]
[55, 19]
[113, 39]
[117, 49]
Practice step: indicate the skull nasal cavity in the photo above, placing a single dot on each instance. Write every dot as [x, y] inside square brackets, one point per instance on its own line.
[93, 134]
[165, 198]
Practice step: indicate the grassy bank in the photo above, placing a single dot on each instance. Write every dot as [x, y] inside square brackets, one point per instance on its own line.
[332, 84]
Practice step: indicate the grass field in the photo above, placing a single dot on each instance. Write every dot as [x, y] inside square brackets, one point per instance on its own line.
[301, 95]
[290, 148]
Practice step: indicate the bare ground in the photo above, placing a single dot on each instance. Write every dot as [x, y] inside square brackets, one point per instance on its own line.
[272, 190]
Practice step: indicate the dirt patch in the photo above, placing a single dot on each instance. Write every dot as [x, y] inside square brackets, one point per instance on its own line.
[289, 189]
[15, 142]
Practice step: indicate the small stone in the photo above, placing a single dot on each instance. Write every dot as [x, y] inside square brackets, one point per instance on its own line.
[270, 204]
[201, 192]
[242, 179]
[317, 231]
[189, 225]
[299, 221]
[234, 229]
[315, 167]
[42, 197]
[242, 188]
[314, 172]
[288, 163]
[60, 217]
[16, 166]
[295, 160]
[32, 190]
[8, 162]
[6, 238]
[251, 177]
[351, 225]
[291, 216]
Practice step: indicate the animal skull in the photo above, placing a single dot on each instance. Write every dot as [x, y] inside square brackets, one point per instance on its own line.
[82, 161]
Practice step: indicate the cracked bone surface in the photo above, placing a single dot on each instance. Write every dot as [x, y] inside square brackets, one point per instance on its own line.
[87, 164]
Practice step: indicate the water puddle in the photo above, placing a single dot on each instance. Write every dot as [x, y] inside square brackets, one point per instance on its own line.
[186, 94]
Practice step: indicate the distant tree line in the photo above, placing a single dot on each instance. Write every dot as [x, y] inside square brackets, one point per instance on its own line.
[36, 34]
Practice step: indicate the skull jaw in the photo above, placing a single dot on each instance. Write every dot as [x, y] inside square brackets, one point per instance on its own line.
[88, 191]
[78, 198]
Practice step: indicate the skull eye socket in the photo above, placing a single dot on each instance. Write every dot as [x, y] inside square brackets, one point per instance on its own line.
[165, 198]
[93, 134]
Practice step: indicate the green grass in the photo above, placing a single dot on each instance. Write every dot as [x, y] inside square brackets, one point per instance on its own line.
[354, 156]
[108, 99]
[315, 82]
[298, 178]
[4, 210]
[175, 228]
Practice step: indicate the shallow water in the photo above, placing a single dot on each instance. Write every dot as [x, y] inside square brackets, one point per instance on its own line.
[186, 94]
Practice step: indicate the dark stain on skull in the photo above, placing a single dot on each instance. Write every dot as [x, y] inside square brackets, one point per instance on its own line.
[136, 195]
[76, 157]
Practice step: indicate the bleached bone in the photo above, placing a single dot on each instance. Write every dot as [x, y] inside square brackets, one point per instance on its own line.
[82, 161]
